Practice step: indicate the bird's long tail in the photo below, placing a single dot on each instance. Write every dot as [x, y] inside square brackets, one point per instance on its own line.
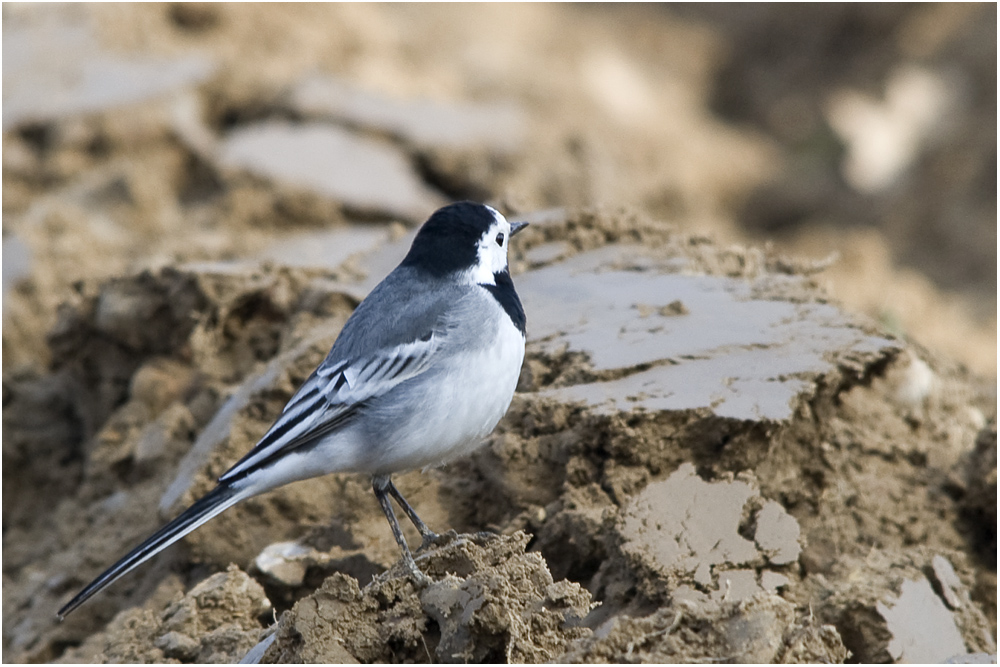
[215, 502]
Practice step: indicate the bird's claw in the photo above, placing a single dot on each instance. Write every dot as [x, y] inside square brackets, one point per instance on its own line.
[432, 539]
[482, 537]
[419, 578]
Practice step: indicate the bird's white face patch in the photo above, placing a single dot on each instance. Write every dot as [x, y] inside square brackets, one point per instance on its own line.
[492, 256]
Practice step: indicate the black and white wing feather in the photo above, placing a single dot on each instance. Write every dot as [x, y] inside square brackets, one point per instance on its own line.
[332, 395]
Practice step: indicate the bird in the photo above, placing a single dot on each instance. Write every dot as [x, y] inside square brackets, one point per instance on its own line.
[421, 372]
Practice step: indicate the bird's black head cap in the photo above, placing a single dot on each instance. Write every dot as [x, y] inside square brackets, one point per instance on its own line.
[449, 240]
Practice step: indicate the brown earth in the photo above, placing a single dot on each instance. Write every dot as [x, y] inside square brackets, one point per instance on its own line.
[147, 308]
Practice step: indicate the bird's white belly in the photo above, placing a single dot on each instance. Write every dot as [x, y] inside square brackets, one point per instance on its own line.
[458, 406]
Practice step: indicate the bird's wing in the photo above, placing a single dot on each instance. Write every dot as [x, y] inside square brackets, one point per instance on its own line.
[333, 394]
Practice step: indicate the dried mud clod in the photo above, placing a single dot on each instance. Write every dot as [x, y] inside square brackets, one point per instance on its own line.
[886, 603]
[217, 621]
[762, 630]
[489, 601]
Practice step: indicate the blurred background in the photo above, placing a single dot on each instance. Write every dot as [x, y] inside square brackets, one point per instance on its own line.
[860, 138]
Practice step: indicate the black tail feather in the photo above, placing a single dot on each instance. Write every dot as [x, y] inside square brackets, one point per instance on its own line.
[215, 502]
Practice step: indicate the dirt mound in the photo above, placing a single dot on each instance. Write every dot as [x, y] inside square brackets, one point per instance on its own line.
[647, 504]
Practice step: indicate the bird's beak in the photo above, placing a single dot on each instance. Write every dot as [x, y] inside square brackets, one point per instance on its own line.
[515, 227]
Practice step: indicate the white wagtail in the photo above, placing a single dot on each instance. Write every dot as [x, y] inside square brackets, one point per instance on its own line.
[422, 371]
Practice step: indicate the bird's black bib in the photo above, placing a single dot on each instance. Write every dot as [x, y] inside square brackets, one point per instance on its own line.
[503, 291]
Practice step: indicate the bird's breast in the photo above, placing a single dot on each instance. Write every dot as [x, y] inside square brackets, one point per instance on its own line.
[457, 404]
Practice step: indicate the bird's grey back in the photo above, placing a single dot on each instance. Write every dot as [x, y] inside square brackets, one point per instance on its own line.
[406, 306]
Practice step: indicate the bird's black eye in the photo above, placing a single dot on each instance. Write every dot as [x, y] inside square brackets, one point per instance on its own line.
[500, 239]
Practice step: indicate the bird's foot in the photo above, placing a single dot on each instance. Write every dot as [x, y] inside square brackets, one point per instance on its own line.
[451, 537]
[432, 539]
[482, 537]
[419, 578]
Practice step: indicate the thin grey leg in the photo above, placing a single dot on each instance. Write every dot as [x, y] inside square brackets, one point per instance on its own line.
[382, 485]
[428, 535]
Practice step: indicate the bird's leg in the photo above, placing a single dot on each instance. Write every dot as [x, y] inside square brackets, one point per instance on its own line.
[428, 536]
[382, 486]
